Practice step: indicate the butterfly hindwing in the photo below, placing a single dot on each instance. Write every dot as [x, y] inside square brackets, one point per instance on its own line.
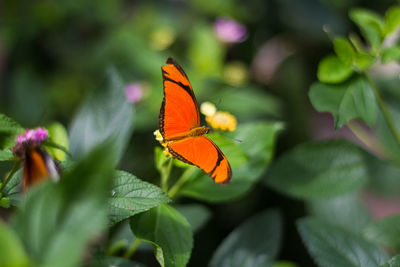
[203, 153]
[179, 111]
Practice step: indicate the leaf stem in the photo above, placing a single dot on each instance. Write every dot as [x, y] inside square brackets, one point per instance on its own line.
[385, 110]
[364, 137]
[9, 176]
[165, 173]
[132, 249]
[182, 180]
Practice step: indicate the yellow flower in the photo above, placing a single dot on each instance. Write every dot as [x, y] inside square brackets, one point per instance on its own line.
[222, 120]
[158, 135]
[208, 109]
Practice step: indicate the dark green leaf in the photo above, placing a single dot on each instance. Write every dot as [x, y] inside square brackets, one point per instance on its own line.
[8, 130]
[384, 176]
[332, 70]
[169, 231]
[346, 211]
[130, 195]
[371, 25]
[353, 99]
[391, 54]
[104, 115]
[393, 262]
[254, 243]
[196, 214]
[392, 19]
[245, 102]
[56, 221]
[385, 231]
[344, 50]
[6, 155]
[12, 189]
[12, 253]
[258, 142]
[330, 245]
[319, 170]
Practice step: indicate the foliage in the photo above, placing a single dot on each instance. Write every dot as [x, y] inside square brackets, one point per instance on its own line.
[121, 202]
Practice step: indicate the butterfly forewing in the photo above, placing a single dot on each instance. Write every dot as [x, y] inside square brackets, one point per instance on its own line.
[179, 111]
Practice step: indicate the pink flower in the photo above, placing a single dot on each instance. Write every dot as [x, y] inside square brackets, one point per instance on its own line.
[33, 136]
[230, 31]
[133, 92]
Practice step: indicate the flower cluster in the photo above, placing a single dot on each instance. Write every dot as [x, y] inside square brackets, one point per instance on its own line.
[160, 139]
[218, 120]
[230, 31]
[31, 136]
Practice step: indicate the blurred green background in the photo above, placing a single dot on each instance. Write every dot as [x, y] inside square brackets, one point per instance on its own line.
[55, 53]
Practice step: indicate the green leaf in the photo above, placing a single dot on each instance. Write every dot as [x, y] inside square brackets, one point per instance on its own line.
[332, 70]
[196, 214]
[105, 114]
[392, 19]
[353, 99]
[58, 135]
[8, 131]
[256, 242]
[258, 142]
[391, 54]
[12, 189]
[346, 211]
[384, 177]
[284, 264]
[385, 231]
[56, 221]
[205, 51]
[169, 231]
[319, 170]
[393, 262]
[6, 155]
[371, 25]
[330, 245]
[12, 253]
[344, 50]
[363, 61]
[130, 195]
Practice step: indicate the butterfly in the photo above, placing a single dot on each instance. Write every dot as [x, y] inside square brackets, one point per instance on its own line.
[37, 165]
[179, 125]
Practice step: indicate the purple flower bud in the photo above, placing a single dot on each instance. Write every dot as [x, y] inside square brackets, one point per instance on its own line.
[133, 92]
[230, 31]
[34, 136]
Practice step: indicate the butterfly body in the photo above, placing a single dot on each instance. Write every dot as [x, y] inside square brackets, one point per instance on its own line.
[179, 125]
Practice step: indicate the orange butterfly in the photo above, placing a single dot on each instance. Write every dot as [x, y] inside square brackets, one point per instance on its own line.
[179, 124]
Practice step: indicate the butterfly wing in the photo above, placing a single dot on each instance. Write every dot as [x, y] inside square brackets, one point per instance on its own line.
[179, 111]
[205, 154]
[38, 165]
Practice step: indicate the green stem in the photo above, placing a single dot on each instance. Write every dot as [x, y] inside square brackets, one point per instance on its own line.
[364, 137]
[385, 111]
[10, 175]
[165, 173]
[132, 249]
[184, 178]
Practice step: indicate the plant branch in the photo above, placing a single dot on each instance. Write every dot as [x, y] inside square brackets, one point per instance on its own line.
[385, 111]
[132, 249]
[165, 173]
[182, 180]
